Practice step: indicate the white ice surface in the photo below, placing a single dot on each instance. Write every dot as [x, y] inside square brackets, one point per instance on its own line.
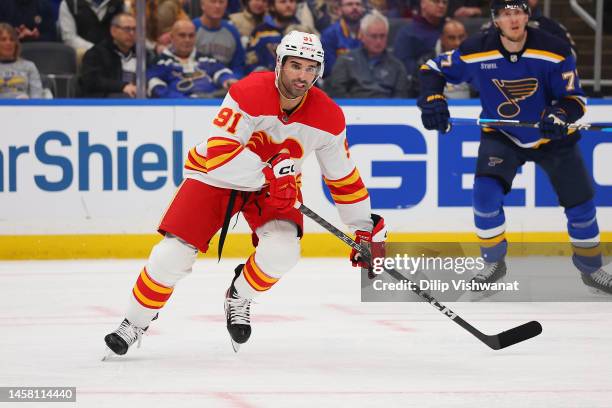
[314, 344]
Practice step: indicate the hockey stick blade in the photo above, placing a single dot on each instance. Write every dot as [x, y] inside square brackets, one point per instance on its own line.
[515, 335]
[496, 342]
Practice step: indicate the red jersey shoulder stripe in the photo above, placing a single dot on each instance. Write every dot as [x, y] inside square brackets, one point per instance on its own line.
[347, 190]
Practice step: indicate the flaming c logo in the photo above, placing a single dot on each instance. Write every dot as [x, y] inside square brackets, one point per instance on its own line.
[262, 145]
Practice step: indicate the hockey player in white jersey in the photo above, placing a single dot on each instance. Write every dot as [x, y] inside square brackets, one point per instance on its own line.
[266, 126]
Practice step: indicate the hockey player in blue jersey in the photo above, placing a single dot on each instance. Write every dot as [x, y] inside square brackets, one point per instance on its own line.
[528, 75]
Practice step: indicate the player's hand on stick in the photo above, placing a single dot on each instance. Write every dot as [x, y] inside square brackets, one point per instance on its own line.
[434, 112]
[553, 124]
[280, 176]
[374, 241]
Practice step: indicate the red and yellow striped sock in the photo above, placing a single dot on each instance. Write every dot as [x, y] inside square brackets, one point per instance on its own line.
[150, 294]
[255, 277]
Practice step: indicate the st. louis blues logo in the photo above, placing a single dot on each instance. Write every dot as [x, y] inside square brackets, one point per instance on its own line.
[494, 161]
[514, 91]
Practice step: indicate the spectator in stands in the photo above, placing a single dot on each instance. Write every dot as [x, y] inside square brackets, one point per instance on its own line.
[539, 20]
[85, 23]
[342, 36]
[19, 78]
[324, 13]
[452, 36]
[251, 16]
[305, 15]
[318, 14]
[182, 72]
[109, 68]
[160, 18]
[261, 53]
[419, 36]
[217, 38]
[369, 71]
[32, 19]
[466, 8]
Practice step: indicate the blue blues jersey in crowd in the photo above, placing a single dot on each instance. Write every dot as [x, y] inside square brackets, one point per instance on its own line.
[198, 76]
[261, 52]
[337, 40]
[221, 43]
[517, 86]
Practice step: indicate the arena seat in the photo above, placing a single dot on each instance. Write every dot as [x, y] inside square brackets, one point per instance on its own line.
[56, 63]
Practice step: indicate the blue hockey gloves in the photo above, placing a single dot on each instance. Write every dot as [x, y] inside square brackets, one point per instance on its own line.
[553, 124]
[434, 112]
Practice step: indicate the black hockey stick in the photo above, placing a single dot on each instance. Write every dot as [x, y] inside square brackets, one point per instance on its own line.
[496, 342]
[601, 127]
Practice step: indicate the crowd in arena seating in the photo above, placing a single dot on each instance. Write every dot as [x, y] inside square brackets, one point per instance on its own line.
[198, 48]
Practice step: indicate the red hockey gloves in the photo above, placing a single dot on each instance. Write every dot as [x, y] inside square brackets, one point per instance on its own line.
[553, 124]
[280, 176]
[374, 240]
[434, 112]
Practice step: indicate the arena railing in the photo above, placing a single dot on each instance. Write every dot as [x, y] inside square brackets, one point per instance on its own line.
[597, 25]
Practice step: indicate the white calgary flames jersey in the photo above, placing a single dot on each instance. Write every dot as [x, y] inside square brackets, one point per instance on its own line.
[251, 128]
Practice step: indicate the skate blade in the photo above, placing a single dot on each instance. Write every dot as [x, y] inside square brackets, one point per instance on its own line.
[235, 346]
[109, 355]
[598, 292]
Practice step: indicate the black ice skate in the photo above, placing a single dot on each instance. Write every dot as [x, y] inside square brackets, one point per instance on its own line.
[599, 280]
[238, 314]
[124, 337]
[492, 272]
[121, 339]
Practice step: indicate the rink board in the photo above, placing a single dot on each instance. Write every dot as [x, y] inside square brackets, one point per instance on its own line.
[91, 178]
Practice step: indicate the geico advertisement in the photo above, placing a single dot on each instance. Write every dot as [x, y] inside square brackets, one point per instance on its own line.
[114, 169]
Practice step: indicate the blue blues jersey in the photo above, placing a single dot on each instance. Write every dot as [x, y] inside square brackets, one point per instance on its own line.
[222, 43]
[337, 40]
[261, 52]
[198, 76]
[517, 86]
